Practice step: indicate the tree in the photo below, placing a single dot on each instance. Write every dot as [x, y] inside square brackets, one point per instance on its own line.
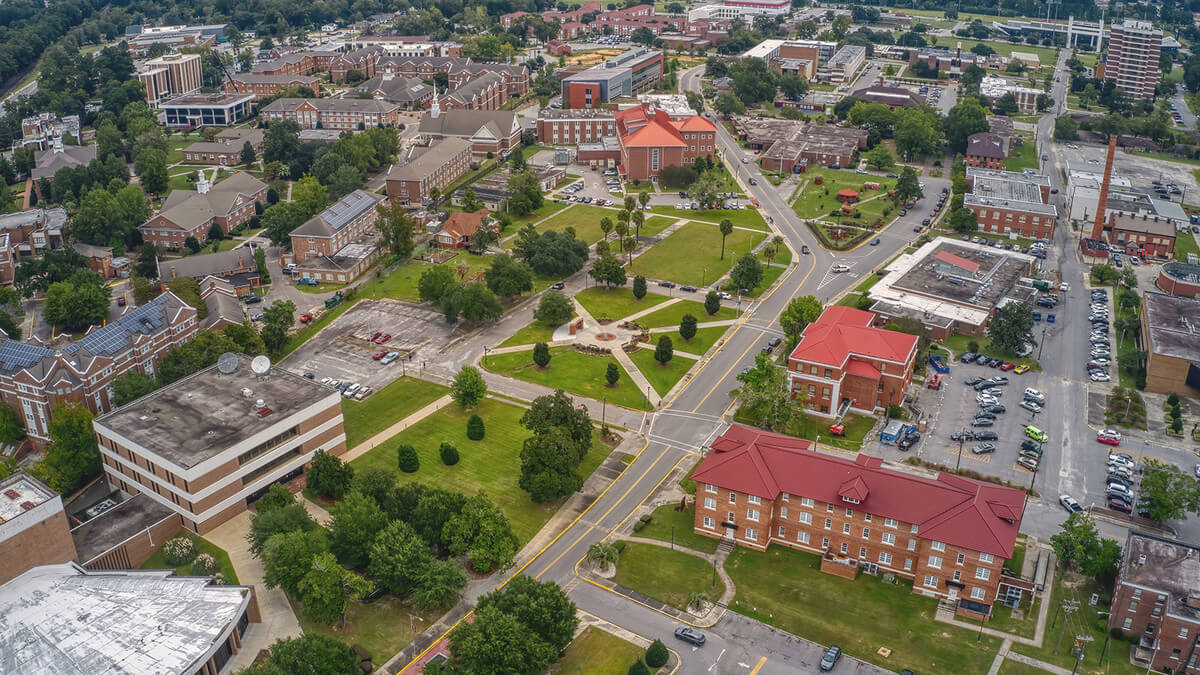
[603, 555]
[608, 270]
[554, 308]
[556, 411]
[712, 303]
[797, 315]
[469, 387]
[726, 228]
[438, 586]
[267, 524]
[151, 167]
[1066, 129]
[187, 289]
[498, 643]
[963, 220]
[1007, 105]
[276, 497]
[326, 589]
[753, 81]
[434, 283]
[663, 351]
[328, 476]
[657, 655]
[606, 226]
[880, 158]
[406, 458]
[248, 155]
[78, 302]
[482, 533]
[727, 104]
[1078, 545]
[907, 185]
[793, 87]
[309, 654]
[1170, 494]
[765, 393]
[281, 142]
[612, 374]
[399, 558]
[279, 220]
[73, 455]
[474, 302]
[638, 668]
[541, 355]
[396, 230]
[965, 118]
[475, 428]
[639, 287]
[448, 453]
[130, 386]
[747, 273]
[288, 556]
[356, 520]
[508, 278]
[541, 607]
[525, 194]
[310, 195]
[705, 191]
[276, 320]
[550, 253]
[687, 327]
[1011, 327]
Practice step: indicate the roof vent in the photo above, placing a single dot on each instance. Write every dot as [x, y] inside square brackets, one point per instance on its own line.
[1141, 559]
[260, 404]
[246, 393]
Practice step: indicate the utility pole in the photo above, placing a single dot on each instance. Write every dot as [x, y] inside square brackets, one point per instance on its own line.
[1080, 640]
[1069, 607]
[958, 462]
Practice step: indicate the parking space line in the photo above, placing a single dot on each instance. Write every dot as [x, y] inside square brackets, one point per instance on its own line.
[967, 454]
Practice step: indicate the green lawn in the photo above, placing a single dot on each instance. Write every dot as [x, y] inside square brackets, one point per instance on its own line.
[770, 274]
[585, 219]
[401, 284]
[615, 303]
[867, 283]
[683, 523]
[786, 588]
[597, 652]
[662, 377]
[531, 334]
[783, 256]
[1047, 55]
[655, 224]
[573, 372]
[691, 254]
[548, 208]
[1010, 667]
[490, 465]
[673, 313]
[382, 627]
[665, 575]
[819, 200]
[701, 342]
[748, 217]
[1002, 619]
[177, 142]
[1023, 156]
[203, 545]
[365, 418]
[808, 426]
[959, 345]
[1185, 243]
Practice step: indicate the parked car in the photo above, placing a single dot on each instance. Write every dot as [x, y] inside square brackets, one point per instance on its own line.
[558, 286]
[1118, 504]
[830, 659]
[983, 448]
[1068, 502]
[1028, 463]
[690, 635]
[1109, 440]
[1036, 433]
[986, 436]
[995, 409]
[977, 422]
[908, 441]
[1031, 406]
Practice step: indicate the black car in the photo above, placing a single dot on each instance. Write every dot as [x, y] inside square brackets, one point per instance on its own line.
[983, 449]
[995, 409]
[972, 381]
[969, 357]
[994, 363]
[689, 289]
[309, 376]
[1028, 444]
[830, 659]
[909, 441]
[982, 422]
[986, 436]
[768, 348]
[1119, 480]
[962, 436]
[776, 341]
[667, 284]
[691, 635]
[251, 299]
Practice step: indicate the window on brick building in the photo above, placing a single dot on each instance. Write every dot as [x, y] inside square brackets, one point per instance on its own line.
[732, 498]
[782, 532]
[754, 499]
[845, 528]
[961, 558]
[930, 580]
[783, 512]
[885, 558]
[709, 487]
[1127, 624]
[888, 538]
[935, 562]
[844, 548]
[710, 503]
[983, 573]
[806, 518]
[802, 537]
[986, 558]
[978, 593]
[709, 523]
[752, 514]
[752, 534]
[890, 522]
[806, 502]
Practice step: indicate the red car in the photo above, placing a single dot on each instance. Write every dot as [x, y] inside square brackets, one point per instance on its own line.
[384, 338]
[1108, 440]
[305, 318]
[1007, 365]
[375, 336]
[380, 354]
[1120, 505]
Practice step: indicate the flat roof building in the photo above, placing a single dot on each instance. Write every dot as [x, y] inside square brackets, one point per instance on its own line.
[208, 110]
[1156, 601]
[1007, 202]
[209, 444]
[629, 74]
[1131, 59]
[33, 528]
[1171, 338]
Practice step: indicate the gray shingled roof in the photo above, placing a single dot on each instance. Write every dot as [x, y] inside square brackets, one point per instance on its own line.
[420, 166]
[338, 215]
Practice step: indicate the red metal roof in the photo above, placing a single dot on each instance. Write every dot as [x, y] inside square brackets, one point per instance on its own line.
[862, 369]
[957, 261]
[694, 123]
[841, 332]
[639, 127]
[951, 509]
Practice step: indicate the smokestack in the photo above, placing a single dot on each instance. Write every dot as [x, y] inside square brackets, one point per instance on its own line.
[1098, 228]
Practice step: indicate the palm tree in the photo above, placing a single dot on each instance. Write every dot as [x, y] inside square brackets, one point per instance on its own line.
[630, 202]
[638, 218]
[726, 230]
[622, 230]
[630, 244]
[606, 226]
[603, 555]
[644, 198]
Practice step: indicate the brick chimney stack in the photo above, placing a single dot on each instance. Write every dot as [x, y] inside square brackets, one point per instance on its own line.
[1098, 228]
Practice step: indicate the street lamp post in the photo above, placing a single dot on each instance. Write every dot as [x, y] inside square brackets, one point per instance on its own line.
[961, 434]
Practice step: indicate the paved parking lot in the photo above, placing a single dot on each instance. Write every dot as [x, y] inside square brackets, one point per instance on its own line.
[1139, 169]
[343, 349]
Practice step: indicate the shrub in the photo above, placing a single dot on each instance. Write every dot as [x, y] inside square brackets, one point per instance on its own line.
[1173, 399]
[639, 668]
[449, 454]
[642, 522]
[205, 565]
[406, 456]
[179, 551]
[475, 430]
[973, 346]
[656, 655]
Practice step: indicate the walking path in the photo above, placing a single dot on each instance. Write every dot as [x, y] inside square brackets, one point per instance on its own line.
[676, 352]
[622, 358]
[376, 440]
[703, 324]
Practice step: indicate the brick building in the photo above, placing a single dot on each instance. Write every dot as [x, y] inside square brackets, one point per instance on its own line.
[262, 85]
[461, 227]
[574, 126]
[950, 62]
[225, 149]
[365, 60]
[632, 73]
[192, 213]
[170, 75]
[1172, 343]
[298, 63]
[458, 71]
[1006, 201]
[1141, 234]
[950, 535]
[651, 139]
[844, 363]
[211, 443]
[33, 527]
[892, 97]
[341, 224]
[35, 378]
[436, 166]
[1156, 601]
[350, 114]
[494, 131]
[487, 92]
[1131, 60]
[408, 93]
[235, 267]
[986, 150]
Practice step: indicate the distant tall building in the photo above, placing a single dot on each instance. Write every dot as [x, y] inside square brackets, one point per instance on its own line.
[171, 75]
[1132, 58]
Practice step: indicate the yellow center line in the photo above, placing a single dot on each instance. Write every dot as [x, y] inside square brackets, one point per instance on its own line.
[758, 666]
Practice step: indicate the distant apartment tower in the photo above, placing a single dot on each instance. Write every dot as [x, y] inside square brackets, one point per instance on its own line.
[1132, 60]
[169, 76]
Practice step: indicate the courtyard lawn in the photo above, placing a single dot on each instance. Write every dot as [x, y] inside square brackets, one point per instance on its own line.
[491, 465]
[382, 627]
[1002, 619]
[597, 652]
[691, 254]
[615, 303]
[656, 224]
[673, 313]
[156, 561]
[661, 377]
[531, 334]
[548, 208]
[573, 372]
[1047, 55]
[1024, 156]
[1185, 243]
[701, 342]
[364, 419]
[177, 142]
[748, 217]
[817, 201]
[665, 575]
[666, 517]
[785, 588]
[1010, 667]
[585, 219]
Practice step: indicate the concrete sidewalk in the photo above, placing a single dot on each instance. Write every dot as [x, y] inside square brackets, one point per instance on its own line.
[379, 438]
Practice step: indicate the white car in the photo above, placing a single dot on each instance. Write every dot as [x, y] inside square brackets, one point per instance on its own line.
[840, 268]
[1068, 502]
[1100, 377]
[986, 400]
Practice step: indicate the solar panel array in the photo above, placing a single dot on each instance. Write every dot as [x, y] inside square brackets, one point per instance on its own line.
[113, 338]
[347, 209]
[15, 355]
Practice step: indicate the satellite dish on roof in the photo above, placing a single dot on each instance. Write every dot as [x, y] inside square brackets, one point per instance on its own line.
[227, 363]
[261, 365]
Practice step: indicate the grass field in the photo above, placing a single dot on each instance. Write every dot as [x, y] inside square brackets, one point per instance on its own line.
[531, 334]
[786, 588]
[382, 627]
[770, 274]
[490, 465]
[665, 575]
[673, 313]
[364, 419]
[819, 200]
[548, 208]
[661, 377]
[573, 372]
[585, 219]
[739, 217]
[1185, 243]
[615, 303]
[691, 254]
[1023, 156]
[704, 339]
[177, 142]
[667, 520]
[1047, 55]
[156, 561]
[597, 652]
[655, 224]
